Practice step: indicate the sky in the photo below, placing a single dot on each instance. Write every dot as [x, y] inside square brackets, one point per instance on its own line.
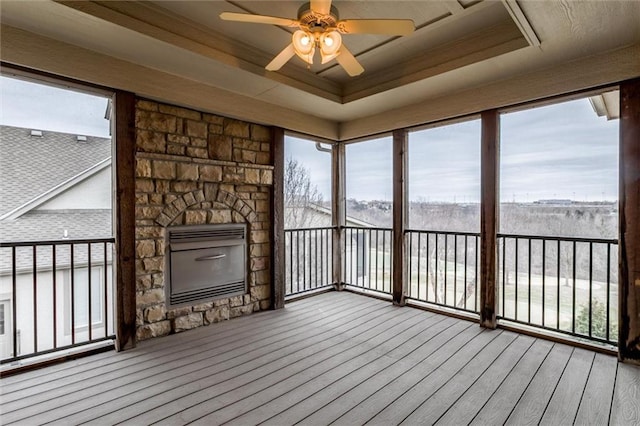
[561, 151]
[41, 107]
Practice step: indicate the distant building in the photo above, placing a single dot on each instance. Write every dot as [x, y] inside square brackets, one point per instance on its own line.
[555, 202]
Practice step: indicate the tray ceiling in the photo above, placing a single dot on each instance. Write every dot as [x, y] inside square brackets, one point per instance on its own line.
[457, 45]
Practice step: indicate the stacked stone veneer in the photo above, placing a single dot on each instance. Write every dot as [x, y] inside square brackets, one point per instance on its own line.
[194, 168]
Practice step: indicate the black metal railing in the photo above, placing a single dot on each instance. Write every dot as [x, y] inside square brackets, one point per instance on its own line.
[309, 259]
[566, 285]
[56, 295]
[442, 268]
[560, 284]
[368, 258]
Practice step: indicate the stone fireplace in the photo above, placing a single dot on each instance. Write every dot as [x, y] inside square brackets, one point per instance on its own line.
[194, 168]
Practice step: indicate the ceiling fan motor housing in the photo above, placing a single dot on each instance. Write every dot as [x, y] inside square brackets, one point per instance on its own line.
[315, 21]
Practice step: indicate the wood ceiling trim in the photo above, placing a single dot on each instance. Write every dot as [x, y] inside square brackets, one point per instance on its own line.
[425, 28]
[453, 6]
[485, 44]
[149, 20]
[30, 50]
[521, 20]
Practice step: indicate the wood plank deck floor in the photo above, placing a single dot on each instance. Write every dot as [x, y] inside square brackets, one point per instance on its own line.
[335, 358]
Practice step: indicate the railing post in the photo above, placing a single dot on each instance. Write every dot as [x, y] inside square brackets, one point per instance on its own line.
[629, 239]
[399, 285]
[489, 216]
[338, 210]
[125, 199]
[278, 259]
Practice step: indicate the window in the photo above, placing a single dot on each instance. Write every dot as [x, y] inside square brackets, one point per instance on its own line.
[6, 331]
[444, 178]
[81, 297]
[559, 171]
[2, 317]
[55, 185]
[557, 253]
[307, 184]
[369, 184]
[444, 214]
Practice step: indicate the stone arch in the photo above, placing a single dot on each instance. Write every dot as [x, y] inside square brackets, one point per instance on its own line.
[210, 193]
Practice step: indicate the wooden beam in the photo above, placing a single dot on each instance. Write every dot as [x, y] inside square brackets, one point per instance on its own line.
[125, 199]
[338, 210]
[522, 22]
[453, 6]
[489, 216]
[400, 140]
[629, 239]
[277, 211]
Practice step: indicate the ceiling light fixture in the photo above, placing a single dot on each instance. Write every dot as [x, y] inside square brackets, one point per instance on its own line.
[319, 26]
[305, 43]
[330, 44]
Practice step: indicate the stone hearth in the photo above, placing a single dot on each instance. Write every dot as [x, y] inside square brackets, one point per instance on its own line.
[194, 168]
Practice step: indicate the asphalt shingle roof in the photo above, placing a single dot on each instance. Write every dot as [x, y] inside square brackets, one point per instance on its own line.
[32, 165]
[50, 225]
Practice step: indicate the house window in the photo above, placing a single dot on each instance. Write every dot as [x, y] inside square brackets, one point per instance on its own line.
[82, 300]
[6, 338]
[2, 320]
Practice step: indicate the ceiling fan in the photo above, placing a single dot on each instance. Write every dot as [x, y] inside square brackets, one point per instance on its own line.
[319, 27]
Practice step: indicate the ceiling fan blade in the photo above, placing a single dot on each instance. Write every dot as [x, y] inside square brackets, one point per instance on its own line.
[323, 7]
[349, 62]
[258, 19]
[281, 59]
[376, 26]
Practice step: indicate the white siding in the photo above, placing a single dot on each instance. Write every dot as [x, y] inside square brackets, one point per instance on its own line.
[92, 193]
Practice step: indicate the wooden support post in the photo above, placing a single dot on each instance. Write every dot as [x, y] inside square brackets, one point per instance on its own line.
[124, 183]
[338, 210]
[277, 211]
[629, 239]
[489, 216]
[400, 138]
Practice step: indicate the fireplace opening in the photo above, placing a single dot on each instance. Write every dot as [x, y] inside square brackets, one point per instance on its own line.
[205, 262]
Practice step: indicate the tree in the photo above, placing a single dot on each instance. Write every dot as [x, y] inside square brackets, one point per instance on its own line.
[598, 321]
[299, 195]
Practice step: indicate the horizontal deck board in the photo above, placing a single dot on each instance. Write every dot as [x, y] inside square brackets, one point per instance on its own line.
[334, 358]
[327, 387]
[595, 405]
[158, 391]
[467, 404]
[566, 398]
[625, 407]
[498, 408]
[328, 406]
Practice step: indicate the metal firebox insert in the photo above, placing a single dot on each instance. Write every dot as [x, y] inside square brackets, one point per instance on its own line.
[205, 262]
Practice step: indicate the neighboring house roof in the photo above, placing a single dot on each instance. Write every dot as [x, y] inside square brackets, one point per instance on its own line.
[31, 166]
[47, 225]
[37, 169]
[55, 191]
[350, 221]
[323, 211]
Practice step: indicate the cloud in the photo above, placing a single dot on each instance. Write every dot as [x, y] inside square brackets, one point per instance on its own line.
[37, 106]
